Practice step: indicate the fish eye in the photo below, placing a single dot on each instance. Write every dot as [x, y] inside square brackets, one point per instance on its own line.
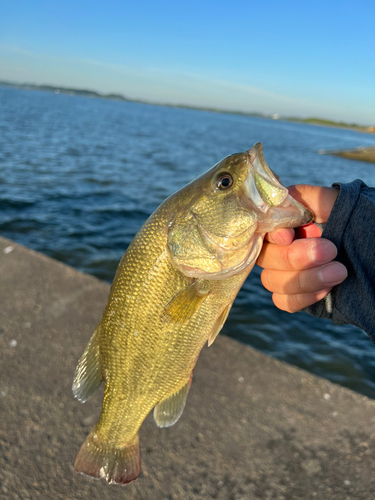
[224, 181]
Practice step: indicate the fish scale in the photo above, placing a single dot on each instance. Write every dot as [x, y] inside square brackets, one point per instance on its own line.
[171, 294]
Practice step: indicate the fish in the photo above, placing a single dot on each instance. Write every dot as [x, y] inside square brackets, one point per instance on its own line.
[172, 293]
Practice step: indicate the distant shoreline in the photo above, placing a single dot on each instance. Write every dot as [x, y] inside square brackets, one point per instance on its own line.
[330, 123]
[120, 97]
[359, 154]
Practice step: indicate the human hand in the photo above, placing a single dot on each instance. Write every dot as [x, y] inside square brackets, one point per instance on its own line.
[299, 271]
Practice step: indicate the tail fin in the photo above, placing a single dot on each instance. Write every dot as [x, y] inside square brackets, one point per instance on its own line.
[115, 465]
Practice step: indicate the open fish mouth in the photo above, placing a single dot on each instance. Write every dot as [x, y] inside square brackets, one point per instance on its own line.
[269, 196]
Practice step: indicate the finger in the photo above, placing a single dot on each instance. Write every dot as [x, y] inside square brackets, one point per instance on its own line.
[281, 236]
[307, 281]
[294, 303]
[318, 199]
[308, 231]
[301, 254]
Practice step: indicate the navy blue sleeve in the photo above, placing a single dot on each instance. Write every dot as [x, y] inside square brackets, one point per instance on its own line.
[351, 227]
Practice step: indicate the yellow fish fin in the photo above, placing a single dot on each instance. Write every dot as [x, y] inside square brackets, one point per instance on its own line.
[219, 324]
[103, 460]
[88, 376]
[168, 411]
[185, 303]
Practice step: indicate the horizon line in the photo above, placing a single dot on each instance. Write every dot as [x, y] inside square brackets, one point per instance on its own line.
[120, 97]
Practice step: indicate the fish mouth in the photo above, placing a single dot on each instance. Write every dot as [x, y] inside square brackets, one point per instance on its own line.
[270, 197]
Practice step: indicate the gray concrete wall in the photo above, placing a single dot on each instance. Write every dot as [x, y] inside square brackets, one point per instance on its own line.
[253, 428]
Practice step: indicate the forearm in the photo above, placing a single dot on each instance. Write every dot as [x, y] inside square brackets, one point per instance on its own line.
[351, 227]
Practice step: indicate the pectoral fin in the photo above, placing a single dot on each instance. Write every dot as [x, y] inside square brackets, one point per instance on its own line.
[185, 303]
[168, 411]
[219, 324]
[88, 376]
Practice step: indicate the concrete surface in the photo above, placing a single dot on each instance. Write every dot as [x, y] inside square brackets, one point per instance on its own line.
[253, 428]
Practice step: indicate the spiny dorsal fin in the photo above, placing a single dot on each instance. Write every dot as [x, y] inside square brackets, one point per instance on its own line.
[88, 376]
[219, 324]
[168, 411]
[185, 303]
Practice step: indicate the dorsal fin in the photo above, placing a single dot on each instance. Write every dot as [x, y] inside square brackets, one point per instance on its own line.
[88, 376]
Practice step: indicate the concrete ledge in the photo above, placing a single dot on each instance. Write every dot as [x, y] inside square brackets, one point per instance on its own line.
[253, 428]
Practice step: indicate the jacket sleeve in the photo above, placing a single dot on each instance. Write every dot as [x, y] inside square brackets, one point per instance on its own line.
[351, 227]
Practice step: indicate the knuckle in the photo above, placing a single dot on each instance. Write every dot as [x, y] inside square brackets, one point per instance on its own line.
[289, 257]
[299, 284]
[296, 302]
[288, 303]
[304, 282]
[279, 301]
[265, 279]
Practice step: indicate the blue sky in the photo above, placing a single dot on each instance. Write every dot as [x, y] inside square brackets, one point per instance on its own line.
[295, 58]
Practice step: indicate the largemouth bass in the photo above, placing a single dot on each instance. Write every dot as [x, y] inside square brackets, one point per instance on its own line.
[172, 293]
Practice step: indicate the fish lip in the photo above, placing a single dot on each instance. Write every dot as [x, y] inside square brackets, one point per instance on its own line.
[307, 215]
[299, 215]
[257, 166]
[257, 152]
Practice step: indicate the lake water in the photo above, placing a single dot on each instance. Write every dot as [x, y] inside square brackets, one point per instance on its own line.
[79, 176]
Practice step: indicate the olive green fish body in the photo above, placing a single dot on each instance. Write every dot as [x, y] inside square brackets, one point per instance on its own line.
[171, 294]
[145, 355]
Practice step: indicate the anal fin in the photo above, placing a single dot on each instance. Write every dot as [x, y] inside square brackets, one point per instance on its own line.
[219, 324]
[88, 376]
[168, 411]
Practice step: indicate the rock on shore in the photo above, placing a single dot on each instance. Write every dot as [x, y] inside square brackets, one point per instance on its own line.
[360, 154]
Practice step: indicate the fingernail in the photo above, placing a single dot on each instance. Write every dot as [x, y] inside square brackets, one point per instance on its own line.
[333, 273]
[323, 251]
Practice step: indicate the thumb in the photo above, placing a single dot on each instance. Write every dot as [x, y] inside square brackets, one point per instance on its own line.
[318, 199]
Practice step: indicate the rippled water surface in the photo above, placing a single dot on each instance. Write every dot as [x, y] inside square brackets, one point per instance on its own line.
[79, 176]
